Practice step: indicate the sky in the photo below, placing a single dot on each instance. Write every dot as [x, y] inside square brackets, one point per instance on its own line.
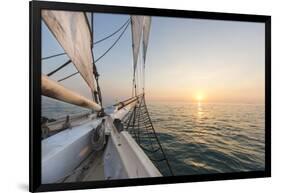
[187, 60]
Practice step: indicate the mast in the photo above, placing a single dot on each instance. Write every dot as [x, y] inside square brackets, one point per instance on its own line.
[72, 30]
[140, 27]
[146, 31]
[75, 34]
[136, 28]
[96, 94]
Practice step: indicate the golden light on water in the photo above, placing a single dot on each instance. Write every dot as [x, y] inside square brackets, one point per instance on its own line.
[199, 97]
[199, 110]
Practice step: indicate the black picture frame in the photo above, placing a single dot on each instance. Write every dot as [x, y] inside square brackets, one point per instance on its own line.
[35, 94]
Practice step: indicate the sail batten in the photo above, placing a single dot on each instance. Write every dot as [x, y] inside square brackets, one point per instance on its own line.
[146, 30]
[71, 29]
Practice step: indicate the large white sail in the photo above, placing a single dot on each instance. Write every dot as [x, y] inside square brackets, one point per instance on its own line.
[146, 30]
[72, 31]
[137, 26]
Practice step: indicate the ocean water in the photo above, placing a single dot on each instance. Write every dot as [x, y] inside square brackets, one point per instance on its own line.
[210, 138]
[200, 138]
[54, 109]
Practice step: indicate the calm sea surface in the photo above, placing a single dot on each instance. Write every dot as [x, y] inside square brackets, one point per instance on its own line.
[211, 138]
[201, 138]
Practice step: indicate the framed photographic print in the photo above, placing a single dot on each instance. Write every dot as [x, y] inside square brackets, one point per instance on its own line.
[125, 96]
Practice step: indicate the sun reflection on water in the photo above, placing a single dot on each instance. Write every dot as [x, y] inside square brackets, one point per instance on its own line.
[199, 110]
[205, 138]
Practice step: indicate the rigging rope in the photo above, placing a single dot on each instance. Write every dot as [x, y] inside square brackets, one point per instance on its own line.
[52, 56]
[143, 73]
[60, 67]
[96, 42]
[114, 43]
[92, 30]
[68, 76]
[139, 124]
[112, 33]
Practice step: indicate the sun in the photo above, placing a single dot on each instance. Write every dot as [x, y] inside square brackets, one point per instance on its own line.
[200, 96]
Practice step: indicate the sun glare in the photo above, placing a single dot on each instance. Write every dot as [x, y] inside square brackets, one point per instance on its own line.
[199, 97]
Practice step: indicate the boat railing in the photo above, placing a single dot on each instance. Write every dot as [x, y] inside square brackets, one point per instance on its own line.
[126, 102]
[50, 127]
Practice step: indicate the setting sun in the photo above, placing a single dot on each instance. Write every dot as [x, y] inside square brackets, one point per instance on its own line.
[200, 96]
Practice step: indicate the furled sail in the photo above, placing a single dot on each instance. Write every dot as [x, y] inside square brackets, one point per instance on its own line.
[71, 29]
[51, 88]
[137, 26]
[146, 30]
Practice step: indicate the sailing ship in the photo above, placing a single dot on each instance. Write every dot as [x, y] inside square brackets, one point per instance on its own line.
[114, 142]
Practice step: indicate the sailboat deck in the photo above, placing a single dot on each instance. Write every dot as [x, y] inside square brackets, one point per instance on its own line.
[67, 143]
[91, 169]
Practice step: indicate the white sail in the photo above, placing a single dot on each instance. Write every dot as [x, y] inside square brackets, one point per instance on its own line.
[146, 30]
[137, 26]
[72, 31]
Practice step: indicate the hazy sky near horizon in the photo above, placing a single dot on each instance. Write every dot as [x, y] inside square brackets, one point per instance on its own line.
[187, 59]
